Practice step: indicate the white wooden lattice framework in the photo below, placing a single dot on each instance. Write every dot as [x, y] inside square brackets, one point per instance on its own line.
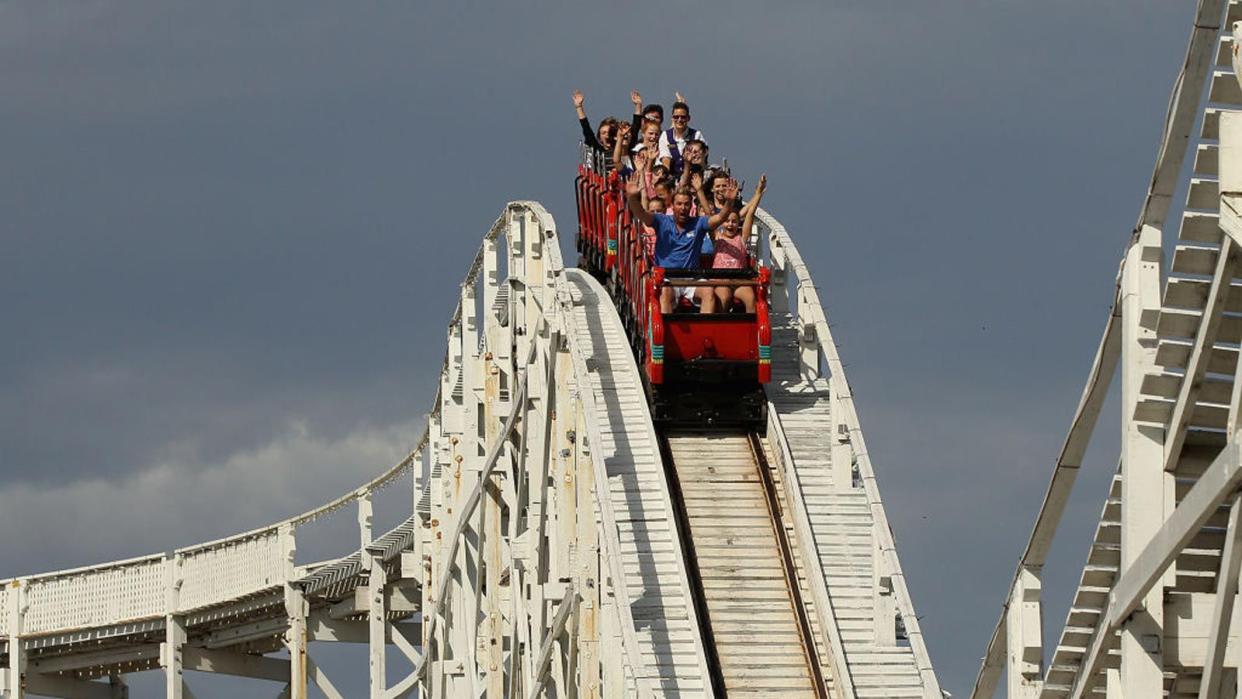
[1153, 614]
[537, 552]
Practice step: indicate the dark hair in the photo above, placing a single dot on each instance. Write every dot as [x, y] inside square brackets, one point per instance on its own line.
[653, 107]
[701, 142]
[680, 105]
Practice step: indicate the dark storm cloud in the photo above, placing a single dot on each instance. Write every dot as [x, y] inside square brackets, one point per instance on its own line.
[232, 234]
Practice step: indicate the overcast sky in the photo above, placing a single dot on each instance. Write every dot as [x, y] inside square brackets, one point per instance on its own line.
[233, 232]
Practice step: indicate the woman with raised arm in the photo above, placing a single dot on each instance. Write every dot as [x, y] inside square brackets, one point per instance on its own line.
[732, 250]
[601, 142]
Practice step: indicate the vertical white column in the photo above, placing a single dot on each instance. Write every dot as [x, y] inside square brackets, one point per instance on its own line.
[365, 517]
[491, 643]
[1143, 479]
[462, 631]
[295, 609]
[174, 632]
[377, 620]
[1024, 631]
[17, 654]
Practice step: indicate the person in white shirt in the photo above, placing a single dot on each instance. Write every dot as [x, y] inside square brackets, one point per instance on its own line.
[673, 141]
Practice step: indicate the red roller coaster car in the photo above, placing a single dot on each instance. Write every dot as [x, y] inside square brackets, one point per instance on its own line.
[700, 369]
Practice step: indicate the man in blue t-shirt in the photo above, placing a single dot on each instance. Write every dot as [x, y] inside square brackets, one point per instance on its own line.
[680, 237]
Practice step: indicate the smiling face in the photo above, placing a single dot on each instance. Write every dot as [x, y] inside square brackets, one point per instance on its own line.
[694, 153]
[651, 134]
[681, 118]
[719, 185]
[732, 225]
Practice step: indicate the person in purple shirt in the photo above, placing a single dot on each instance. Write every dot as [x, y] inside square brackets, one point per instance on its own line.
[679, 238]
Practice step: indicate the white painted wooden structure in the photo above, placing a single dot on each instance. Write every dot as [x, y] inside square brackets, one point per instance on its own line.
[1153, 613]
[540, 549]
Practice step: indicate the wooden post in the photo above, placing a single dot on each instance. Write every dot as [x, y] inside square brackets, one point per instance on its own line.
[1024, 629]
[377, 622]
[295, 608]
[174, 632]
[1143, 486]
[16, 676]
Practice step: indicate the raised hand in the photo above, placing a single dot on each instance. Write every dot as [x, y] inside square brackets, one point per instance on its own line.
[641, 160]
[696, 181]
[636, 99]
[762, 186]
[633, 185]
[680, 97]
[730, 190]
[578, 99]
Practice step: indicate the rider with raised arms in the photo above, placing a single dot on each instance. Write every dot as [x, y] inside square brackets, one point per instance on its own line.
[679, 238]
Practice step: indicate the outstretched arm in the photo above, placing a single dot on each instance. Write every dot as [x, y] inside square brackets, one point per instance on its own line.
[730, 200]
[748, 217]
[588, 136]
[633, 189]
[640, 168]
[636, 122]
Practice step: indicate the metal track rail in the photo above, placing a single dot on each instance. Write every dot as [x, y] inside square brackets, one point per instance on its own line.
[755, 622]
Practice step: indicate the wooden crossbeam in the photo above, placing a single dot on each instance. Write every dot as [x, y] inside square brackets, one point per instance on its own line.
[237, 664]
[66, 688]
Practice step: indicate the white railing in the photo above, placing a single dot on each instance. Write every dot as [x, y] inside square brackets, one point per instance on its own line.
[218, 573]
[794, 290]
[96, 596]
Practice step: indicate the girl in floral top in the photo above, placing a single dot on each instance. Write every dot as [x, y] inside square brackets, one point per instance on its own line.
[731, 250]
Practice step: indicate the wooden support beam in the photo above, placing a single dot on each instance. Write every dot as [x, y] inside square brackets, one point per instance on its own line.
[1025, 639]
[1222, 609]
[66, 688]
[295, 612]
[1221, 480]
[401, 599]
[377, 621]
[1143, 477]
[174, 631]
[16, 611]
[222, 662]
[80, 661]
